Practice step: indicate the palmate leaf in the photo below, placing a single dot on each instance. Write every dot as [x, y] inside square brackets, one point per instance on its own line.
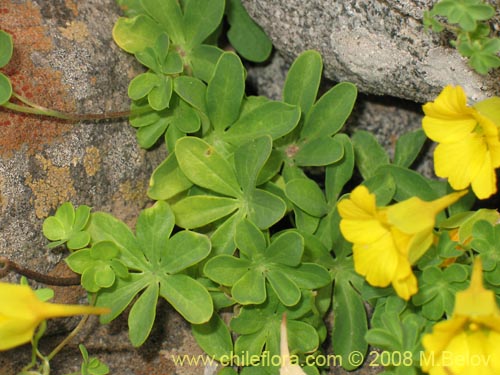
[156, 262]
[68, 226]
[204, 166]
[207, 168]
[277, 265]
[259, 328]
[464, 12]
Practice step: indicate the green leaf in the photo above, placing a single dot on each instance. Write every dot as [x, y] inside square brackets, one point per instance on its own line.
[483, 54]
[383, 186]
[204, 166]
[135, 34]
[201, 18]
[79, 260]
[249, 160]
[309, 276]
[223, 237]
[349, 323]
[142, 315]
[54, 229]
[226, 269]
[408, 147]
[305, 222]
[370, 155]
[148, 135]
[192, 90]
[464, 12]
[199, 210]
[286, 290]
[409, 183]
[319, 152]
[250, 288]
[169, 15]
[149, 58]
[245, 35]
[249, 239]
[265, 208]
[119, 296]
[340, 172]
[273, 118]
[213, 337]
[142, 85]
[6, 48]
[188, 297]
[173, 63]
[225, 91]
[5, 89]
[307, 195]
[104, 227]
[153, 229]
[67, 226]
[186, 119]
[183, 250]
[330, 112]
[159, 96]
[286, 249]
[303, 79]
[203, 61]
[168, 180]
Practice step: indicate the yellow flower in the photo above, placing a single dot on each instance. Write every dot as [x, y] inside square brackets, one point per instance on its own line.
[469, 148]
[21, 312]
[469, 342]
[388, 240]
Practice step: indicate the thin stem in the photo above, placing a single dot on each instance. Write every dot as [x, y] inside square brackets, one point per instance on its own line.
[7, 265]
[35, 109]
[72, 334]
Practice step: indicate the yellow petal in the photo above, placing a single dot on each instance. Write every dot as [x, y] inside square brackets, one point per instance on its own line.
[476, 301]
[415, 215]
[442, 333]
[405, 287]
[460, 162]
[448, 130]
[378, 262]
[484, 184]
[21, 312]
[490, 108]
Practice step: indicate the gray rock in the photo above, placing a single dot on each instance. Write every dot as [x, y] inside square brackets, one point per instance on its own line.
[380, 45]
[65, 58]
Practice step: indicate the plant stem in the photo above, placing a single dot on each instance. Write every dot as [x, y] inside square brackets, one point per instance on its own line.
[7, 265]
[35, 109]
[72, 334]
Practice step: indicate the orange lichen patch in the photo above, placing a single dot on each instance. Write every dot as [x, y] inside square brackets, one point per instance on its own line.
[39, 84]
[52, 190]
[76, 31]
[92, 160]
[71, 5]
[128, 199]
